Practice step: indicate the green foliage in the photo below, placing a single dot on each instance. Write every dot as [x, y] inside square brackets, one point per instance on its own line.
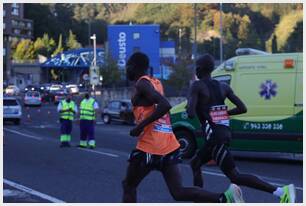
[72, 42]
[24, 50]
[110, 72]
[284, 29]
[180, 76]
[60, 47]
[244, 25]
[44, 46]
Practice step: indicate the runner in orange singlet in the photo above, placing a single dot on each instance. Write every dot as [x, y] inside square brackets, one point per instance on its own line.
[157, 147]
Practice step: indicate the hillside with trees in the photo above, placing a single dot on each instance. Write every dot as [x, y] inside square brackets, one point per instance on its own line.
[270, 27]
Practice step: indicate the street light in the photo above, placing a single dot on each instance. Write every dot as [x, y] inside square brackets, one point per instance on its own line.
[93, 69]
[93, 37]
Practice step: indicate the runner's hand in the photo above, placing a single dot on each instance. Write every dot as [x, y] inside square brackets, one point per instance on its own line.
[136, 131]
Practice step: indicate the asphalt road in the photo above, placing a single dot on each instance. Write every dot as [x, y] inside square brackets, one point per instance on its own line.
[37, 170]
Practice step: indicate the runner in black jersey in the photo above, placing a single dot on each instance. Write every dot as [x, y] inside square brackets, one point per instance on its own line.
[206, 100]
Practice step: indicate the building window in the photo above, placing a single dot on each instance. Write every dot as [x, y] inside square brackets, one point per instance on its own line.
[136, 36]
[15, 11]
[16, 31]
[3, 25]
[29, 25]
[4, 51]
[15, 5]
[4, 13]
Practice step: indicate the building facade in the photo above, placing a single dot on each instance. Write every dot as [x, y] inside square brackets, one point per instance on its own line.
[124, 40]
[15, 28]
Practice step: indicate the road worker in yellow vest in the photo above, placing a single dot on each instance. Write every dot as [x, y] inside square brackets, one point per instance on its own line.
[67, 109]
[88, 110]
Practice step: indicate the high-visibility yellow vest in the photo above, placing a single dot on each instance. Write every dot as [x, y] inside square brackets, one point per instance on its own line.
[87, 111]
[65, 106]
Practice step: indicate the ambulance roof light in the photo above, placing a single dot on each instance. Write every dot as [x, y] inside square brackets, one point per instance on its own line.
[250, 51]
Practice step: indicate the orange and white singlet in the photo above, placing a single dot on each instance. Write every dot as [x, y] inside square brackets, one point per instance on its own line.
[157, 137]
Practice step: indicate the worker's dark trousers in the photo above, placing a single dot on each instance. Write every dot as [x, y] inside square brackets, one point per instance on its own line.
[87, 130]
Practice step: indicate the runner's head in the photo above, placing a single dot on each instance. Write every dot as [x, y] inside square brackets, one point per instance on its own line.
[137, 66]
[205, 64]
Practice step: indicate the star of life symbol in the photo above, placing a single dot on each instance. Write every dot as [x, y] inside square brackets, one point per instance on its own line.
[268, 89]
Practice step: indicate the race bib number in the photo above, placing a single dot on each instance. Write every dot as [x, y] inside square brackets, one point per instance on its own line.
[163, 124]
[219, 115]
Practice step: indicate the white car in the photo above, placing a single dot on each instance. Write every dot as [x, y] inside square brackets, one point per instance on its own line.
[55, 87]
[32, 98]
[11, 110]
[12, 90]
[72, 88]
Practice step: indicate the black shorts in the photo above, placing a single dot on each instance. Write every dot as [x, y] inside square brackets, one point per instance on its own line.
[154, 162]
[216, 148]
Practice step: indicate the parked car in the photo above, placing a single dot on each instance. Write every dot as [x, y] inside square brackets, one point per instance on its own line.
[31, 88]
[118, 110]
[54, 88]
[12, 90]
[72, 88]
[11, 110]
[59, 95]
[32, 98]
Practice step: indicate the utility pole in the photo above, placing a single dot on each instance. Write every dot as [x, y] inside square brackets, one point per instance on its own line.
[89, 32]
[194, 46]
[221, 35]
[94, 70]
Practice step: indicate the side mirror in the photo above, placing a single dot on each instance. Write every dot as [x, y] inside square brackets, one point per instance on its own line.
[229, 65]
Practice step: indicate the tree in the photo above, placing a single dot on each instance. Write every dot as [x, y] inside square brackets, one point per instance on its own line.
[274, 44]
[180, 76]
[24, 50]
[60, 47]
[72, 42]
[110, 72]
[44, 46]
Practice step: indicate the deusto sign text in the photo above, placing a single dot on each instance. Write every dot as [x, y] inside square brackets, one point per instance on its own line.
[122, 49]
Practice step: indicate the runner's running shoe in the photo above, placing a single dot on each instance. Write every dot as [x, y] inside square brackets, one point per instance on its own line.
[233, 194]
[289, 194]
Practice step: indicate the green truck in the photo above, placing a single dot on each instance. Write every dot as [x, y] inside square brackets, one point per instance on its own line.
[271, 86]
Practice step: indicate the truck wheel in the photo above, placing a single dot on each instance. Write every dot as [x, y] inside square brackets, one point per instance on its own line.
[187, 142]
[106, 119]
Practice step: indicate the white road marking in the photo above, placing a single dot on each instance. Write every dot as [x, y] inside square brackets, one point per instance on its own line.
[99, 152]
[26, 135]
[13, 193]
[222, 175]
[32, 192]
[87, 150]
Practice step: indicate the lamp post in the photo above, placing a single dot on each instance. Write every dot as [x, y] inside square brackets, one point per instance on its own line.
[94, 61]
[93, 37]
[194, 46]
[221, 35]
